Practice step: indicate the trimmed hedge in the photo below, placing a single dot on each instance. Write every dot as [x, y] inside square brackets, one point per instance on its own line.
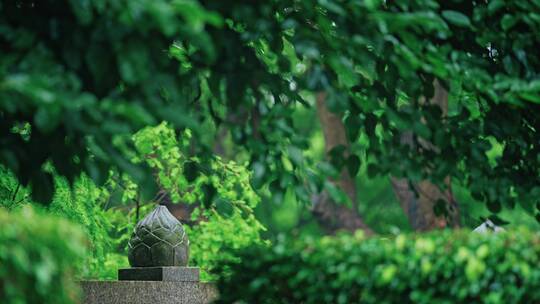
[38, 254]
[439, 267]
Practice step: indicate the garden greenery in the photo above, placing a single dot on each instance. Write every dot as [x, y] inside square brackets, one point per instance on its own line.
[224, 199]
[244, 67]
[80, 73]
[439, 267]
[221, 192]
[79, 78]
[82, 204]
[39, 256]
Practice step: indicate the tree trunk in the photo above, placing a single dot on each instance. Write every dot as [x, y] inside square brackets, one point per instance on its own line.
[332, 216]
[418, 200]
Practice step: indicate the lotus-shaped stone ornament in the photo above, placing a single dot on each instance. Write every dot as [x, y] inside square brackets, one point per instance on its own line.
[158, 240]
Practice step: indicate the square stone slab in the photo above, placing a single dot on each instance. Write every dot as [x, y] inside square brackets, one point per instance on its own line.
[164, 274]
[149, 292]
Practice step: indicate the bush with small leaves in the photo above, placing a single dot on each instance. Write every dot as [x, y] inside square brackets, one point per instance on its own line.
[439, 267]
[38, 258]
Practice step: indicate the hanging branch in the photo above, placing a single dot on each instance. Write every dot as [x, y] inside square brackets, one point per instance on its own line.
[138, 207]
[136, 200]
[15, 192]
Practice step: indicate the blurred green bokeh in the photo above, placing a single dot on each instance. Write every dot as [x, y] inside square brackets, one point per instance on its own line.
[39, 256]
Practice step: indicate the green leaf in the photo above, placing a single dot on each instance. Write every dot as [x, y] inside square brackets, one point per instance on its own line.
[332, 6]
[498, 220]
[259, 171]
[47, 119]
[372, 170]
[508, 21]
[494, 207]
[295, 154]
[495, 5]
[42, 188]
[456, 18]
[224, 207]
[337, 194]
[352, 126]
[353, 165]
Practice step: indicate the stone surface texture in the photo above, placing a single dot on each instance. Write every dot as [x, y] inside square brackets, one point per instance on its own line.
[158, 240]
[144, 292]
[165, 274]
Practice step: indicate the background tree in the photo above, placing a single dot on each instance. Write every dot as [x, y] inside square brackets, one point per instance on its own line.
[247, 68]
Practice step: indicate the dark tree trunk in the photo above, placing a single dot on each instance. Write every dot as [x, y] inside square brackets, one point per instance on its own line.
[331, 216]
[418, 199]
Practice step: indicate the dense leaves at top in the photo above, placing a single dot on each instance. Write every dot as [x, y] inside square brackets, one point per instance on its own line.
[389, 57]
[82, 74]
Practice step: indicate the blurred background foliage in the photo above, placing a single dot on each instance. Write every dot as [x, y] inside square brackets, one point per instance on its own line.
[422, 91]
[450, 266]
[39, 257]
[249, 119]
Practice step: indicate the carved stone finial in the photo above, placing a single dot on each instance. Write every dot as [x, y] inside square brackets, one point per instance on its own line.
[158, 240]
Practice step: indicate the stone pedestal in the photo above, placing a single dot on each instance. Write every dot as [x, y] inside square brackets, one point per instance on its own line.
[147, 292]
[158, 250]
[164, 274]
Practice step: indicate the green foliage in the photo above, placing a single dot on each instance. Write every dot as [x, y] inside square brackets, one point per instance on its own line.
[159, 149]
[81, 73]
[210, 237]
[12, 194]
[440, 267]
[388, 56]
[39, 254]
[221, 193]
[83, 204]
[244, 68]
[77, 100]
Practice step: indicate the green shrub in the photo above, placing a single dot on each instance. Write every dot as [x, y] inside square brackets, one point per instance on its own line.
[440, 267]
[84, 204]
[221, 192]
[37, 257]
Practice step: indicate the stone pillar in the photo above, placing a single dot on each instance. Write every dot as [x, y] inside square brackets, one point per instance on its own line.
[158, 253]
[147, 292]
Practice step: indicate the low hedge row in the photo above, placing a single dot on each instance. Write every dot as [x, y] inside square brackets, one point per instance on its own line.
[38, 256]
[439, 267]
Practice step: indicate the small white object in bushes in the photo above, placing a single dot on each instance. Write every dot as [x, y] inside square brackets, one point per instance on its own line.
[488, 226]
